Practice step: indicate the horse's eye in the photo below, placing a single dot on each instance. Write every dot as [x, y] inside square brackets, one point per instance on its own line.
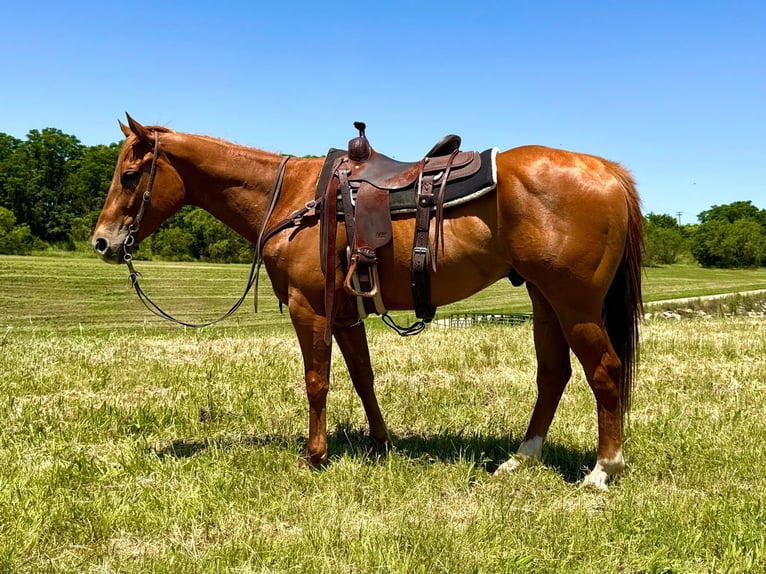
[130, 177]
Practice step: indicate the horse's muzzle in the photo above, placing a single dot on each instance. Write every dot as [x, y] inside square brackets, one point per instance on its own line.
[109, 251]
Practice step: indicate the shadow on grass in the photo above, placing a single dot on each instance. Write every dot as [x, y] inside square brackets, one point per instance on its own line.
[486, 452]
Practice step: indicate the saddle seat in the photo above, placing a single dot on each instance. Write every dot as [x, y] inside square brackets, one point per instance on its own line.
[383, 172]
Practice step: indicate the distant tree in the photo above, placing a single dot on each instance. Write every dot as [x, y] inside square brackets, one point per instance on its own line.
[721, 243]
[8, 146]
[662, 220]
[15, 239]
[15, 171]
[198, 235]
[173, 243]
[745, 243]
[35, 182]
[54, 184]
[88, 185]
[213, 240]
[664, 240]
[732, 212]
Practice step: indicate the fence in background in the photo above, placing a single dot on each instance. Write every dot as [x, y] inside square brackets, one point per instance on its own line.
[473, 319]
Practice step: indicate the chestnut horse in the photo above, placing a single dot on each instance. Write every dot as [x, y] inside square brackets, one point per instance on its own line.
[569, 224]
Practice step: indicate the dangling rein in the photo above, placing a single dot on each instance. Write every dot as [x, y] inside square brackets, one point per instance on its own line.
[263, 236]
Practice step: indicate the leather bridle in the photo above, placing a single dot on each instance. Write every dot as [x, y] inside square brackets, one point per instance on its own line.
[130, 238]
[263, 236]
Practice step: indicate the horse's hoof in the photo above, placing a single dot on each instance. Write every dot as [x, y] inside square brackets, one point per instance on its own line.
[379, 447]
[529, 453]
[597, 479]
[515, 463]
[604, 470]
[312, 461]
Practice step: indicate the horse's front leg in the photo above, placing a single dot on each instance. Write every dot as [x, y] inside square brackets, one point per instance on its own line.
[352, 342]
[316, 363]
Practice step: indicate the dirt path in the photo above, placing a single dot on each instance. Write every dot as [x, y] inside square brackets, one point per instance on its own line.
[702, 297]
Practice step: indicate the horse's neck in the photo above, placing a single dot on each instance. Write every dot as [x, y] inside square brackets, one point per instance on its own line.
[230, 182]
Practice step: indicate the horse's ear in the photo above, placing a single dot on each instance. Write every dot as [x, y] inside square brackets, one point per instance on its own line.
[125, 129]
[140, 131]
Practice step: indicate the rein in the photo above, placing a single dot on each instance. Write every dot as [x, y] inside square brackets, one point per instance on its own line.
[263, 236]
[265, 233]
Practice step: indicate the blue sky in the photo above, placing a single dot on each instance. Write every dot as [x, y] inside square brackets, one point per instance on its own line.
[675, 91]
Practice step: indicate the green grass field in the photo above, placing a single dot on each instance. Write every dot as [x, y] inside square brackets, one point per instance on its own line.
[131, 445]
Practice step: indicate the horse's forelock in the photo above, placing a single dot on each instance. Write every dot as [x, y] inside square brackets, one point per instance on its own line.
[133, 143]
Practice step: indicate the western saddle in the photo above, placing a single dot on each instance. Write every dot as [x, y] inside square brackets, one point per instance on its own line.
[359, 189]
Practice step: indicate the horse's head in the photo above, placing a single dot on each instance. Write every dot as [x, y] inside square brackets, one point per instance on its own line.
[145, 191]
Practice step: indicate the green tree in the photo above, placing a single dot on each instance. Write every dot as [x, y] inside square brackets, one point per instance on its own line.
[35, 182]
[745, 244]
[54, 184]
[173, 243]
[732, 212]
[662, 220]
[195, 234]
[731, 235]
[213, 241]
[15, 170]
[664, 240]
[8, 147]
[88, 184]
[721, 243]
[15, 239]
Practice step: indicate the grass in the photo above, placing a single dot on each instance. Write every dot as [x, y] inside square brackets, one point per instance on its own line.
[683, 281]
[86, 294]
[132, 446]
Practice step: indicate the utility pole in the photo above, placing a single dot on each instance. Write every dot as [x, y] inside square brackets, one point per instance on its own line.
[678, 216]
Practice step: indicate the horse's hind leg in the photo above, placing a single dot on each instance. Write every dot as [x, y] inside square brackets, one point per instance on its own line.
[352, 342]
[589, 340]
[553, 372]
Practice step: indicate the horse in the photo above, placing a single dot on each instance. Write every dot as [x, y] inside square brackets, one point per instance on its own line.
[567, 224]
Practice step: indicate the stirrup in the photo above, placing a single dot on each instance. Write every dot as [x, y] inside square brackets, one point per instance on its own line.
[348, 284]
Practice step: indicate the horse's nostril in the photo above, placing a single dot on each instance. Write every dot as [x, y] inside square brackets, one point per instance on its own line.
[101, 245]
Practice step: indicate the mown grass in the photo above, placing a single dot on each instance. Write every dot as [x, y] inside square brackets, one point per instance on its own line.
[84, 294]
[683, 281]
[131, 446]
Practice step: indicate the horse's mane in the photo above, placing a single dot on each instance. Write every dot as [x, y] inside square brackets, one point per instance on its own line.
[230, 146]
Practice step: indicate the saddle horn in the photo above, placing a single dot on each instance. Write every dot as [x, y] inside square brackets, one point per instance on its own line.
[359, 148]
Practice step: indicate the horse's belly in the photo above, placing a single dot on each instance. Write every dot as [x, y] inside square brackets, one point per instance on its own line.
[468, 261]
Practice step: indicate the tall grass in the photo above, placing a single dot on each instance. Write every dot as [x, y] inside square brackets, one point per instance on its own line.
[132, 447]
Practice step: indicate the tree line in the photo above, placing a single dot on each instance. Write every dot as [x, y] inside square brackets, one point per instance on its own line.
[52, 188]
[732, 235]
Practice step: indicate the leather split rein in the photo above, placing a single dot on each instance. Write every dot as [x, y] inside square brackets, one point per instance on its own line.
[292, 220]
[264, 235]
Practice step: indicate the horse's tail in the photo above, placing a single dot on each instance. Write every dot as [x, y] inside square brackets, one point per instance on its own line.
[623, 306]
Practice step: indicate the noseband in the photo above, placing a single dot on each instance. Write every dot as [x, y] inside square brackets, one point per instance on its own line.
[263, 236]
